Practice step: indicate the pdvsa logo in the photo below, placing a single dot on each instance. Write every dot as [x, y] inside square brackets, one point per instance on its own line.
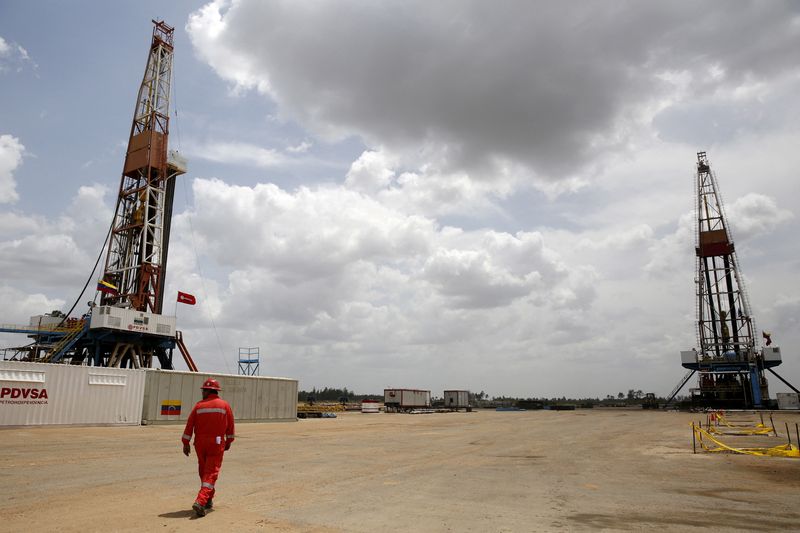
[25, 394]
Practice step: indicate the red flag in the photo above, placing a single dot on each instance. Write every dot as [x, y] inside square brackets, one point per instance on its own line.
[186, 298]
[767, 337]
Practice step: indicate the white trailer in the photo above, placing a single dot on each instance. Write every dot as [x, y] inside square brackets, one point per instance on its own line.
[456, 399]
[370, 406]
[404, 400]
[788, 400]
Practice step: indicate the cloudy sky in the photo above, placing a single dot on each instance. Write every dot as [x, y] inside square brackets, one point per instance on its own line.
[479, 195]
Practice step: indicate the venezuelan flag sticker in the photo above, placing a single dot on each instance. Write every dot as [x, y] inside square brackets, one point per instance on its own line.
[171, 407]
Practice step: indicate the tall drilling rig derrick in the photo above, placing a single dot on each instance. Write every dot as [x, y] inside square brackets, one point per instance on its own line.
[127, 329]
[136, 263]
[728, 360]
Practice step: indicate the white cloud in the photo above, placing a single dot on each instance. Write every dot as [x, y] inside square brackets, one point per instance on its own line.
[23, 54]
[323, 282]
[472, 279]
[301, 148]
[436, 86]
[371, 172]
[624, 239]
[788, 314]
[305, 233]
[58, 251]
[424, 190]
[749, 216]
[675, 250]
[11, 152]
[14, 56]
[16, 224]
[314, 254]
[235, 153]
[26, 305]
[205, 27]
[755, 214]
[45, 261]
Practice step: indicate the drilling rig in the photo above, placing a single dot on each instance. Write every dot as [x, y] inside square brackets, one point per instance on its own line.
[730, 365]
[127, 328]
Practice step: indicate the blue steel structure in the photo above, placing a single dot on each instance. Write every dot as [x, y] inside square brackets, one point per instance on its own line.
[79, 345]
[249, 361]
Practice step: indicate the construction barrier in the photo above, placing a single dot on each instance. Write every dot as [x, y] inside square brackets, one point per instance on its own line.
[320, 408]
[706, 440]
[731, 429]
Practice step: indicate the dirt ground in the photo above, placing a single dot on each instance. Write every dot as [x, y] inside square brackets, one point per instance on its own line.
[626, 470]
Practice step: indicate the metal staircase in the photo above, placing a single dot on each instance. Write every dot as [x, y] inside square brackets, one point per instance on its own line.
[679, 386]
[185, 351]
[66, 342]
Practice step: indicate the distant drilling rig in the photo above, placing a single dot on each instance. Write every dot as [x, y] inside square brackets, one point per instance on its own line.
[729, 363]
[127, 329]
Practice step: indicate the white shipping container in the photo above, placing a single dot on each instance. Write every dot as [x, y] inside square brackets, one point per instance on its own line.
[788, 400]
[44, 394]
[688, 357]
[109, 317]
[456, 399]
[370, 406]
[43, 321]
[407, 398]
[772, 354]
[169, 396]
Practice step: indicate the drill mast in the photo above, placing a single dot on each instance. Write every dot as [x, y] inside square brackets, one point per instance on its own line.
[137, 253]
[730, 367]
[128, 329]
[724, 321]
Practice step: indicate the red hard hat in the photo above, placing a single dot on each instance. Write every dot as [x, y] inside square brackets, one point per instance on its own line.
[211, 384]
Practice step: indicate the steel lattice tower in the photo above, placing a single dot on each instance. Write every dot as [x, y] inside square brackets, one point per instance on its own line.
[137, 254]
[730, 367]
[724, 321]
[128, 329]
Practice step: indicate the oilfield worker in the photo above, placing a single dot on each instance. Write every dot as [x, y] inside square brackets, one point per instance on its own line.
[212, 422]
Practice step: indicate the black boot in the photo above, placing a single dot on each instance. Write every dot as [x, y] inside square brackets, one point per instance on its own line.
[210, 504]
[199, 509]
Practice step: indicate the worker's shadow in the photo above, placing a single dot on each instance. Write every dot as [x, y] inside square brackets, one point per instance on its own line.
[189, 513]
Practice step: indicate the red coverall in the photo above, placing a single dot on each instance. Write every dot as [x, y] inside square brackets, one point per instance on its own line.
[212, 423]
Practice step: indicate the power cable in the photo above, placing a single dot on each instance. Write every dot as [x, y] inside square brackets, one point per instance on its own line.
[191, 231]
[175, 107]
[89, 280]
[203, 282]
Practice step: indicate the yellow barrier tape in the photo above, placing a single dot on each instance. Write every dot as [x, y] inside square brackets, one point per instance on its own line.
[784, 450]
[763, 430]
[758, 429]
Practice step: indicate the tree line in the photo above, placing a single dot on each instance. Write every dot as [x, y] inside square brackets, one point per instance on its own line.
[332, 394]
[345, 395]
